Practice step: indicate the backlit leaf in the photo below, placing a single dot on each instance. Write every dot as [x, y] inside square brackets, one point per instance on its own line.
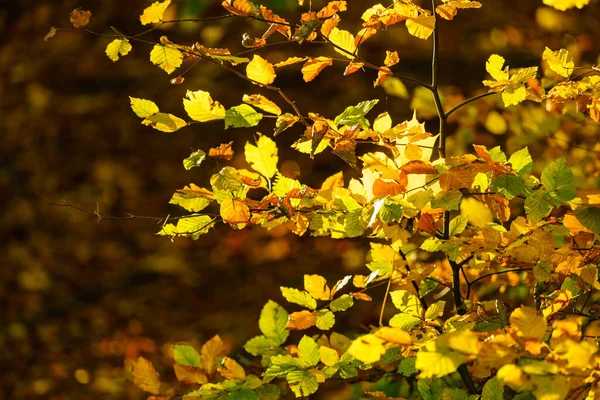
[527, 323]
[224, 151]
[521, 161]
[210, 352]
[200, 106]
[80, 18]
[260, 70]
[302, 383]
[508, 185]
[314, 66]
[272, 322]
[316, 285]
[301, 320]
[421, 26]
[262, 157]
[299, 297]
[167, 58]
[263, 103]
[164, 122]
[494, 67]
[344, 42]
[145, 376]
[407, 302]
[342, 303]
[308, 351]
[186, 355]
[325, 320]
[242, 116]
[563, 5]
[589, 217]
[559, 61]
[143, 108]
[367, 348]
[235, 212]
[194, 160]
[155, 12]
[118, 48]
[230, 369]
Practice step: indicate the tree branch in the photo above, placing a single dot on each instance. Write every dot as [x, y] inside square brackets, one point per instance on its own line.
[464, 103]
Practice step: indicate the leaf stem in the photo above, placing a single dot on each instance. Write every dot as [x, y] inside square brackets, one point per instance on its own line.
[464, 103]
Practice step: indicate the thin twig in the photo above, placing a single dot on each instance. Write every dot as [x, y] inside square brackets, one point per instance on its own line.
[464, 103]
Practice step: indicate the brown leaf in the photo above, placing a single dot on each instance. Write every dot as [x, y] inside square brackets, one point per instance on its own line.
[177, 80]
[50, 34]
[230, 369]
[210, 351]
[145, 376]
[427, 223]
[188, 375]
[301, 320]
[418, 167]
[381, 187]
[80, 18]
[361, 296]
[224, 151]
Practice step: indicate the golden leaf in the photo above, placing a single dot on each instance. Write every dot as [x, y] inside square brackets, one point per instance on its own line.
[145, 376]
[333, 7]
[352, 67]
[333, 182]
[263, 103]
[382, 75]
[154, 13]
[212, 349]
[167, 58]
[230, 369]
[317, 287]
[329, 24]
[235, 212]
[188, 375]
[363, 35]
[394, 335]
[344, 42]
[224, 151]
[289, 61]
[314, 66]
[527, 323]
[421, 26]
[418, 167]
[80, 18]
[391, 58]
[238, 7]
[260, 70]
[301, 320]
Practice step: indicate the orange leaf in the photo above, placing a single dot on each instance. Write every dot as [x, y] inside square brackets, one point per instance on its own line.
[235, 212]
[238, 7]
[427, 223]
[301, 320]
[418, 167]
[280, 24]
[333, 7]
[391, 58]
[224, 151]
[210, 351]
[313, 67]
[382, 75]
[381, 187]
[187, 374]
[363, 35]
[353, 67]
[361, 296]
[80, 17]
[483, 153]
[231, 369]
[329, 24]
[145, 376]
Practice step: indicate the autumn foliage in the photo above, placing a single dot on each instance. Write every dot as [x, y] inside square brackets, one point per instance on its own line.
[438, 225]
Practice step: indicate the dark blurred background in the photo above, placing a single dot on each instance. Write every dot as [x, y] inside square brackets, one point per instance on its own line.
[78, 296]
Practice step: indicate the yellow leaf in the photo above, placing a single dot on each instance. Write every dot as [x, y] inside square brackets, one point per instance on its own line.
[80, 18]
[329, 356]
[394, 335]
[344, 42]
[167, 58]
[301, 320]
[494, 66]
[200, 106]
[527, 323]
[333, 182]
[154, 13]
[317, 287]
[117, 48]
[263, 103]
[188, 375]
[421, 26]
[562, 299]
[213, 348]
[143, 108]
[513, 377]
[550, 387]
[260, 70]
[164, 122]
[435, 360]
[262, 157]
[289, 61]
[559, 61]
[313, 67]
[512, 95]
[230, 369]
[413, 152]
[145, 376]
[367, 348]
[235, 212]
[448, 10]
[563, 5]
[391, 58]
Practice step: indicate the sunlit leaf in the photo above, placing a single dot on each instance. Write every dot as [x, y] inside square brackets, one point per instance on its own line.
[262, 157]
[230, 369]
[421, 26]
[314, 66]
[263, 103]
[167, 58]
[302, 383]
[559, 61]
[118, 48]
[80, 18]
[145, 376]
[272, 322]
[242, 116]
[143, 108]
[224, 151]
[235, 211]
[200, 106]
[260, 70]
[527, 323]
[164, 122]
[316, 285]
[344, 42]
[564, 5]
[299, 297]
[155, 12]
[367, 348]
[194, 160]
[186, 355]
[308, 351]
[210, 352]
[301, 320]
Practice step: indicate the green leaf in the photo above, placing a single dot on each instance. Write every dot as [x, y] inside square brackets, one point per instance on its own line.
[186, 355]
[242, 116]
[455, 394]
[200, 106]
[356, 114]
[325, 320]
[570, 284]
[508, 185]
[543, 271]
[342, 303]
[537, 206]
[262, 157]
[164, 122]
[497, 155]
[458, 224]
[407, 302]
[118, 48]
[302, 383]
[447, 200]
[259, 345]
[589, 217]
[308, 351]
[167, 58]
[521, 161]
[269, 392]
[143, 108]
[189, 201]
[558, 178]
[430, 389]
[301, 298]
[435, 310]
[281, 365]
[493, 390]
[243, 394]
[272, 322]
[191, 226]
[383, 267]
[391, 212]
[407, 367]
[405, 321]
[194, 160]
[559, 61]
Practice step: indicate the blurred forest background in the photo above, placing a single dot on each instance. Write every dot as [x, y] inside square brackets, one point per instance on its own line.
[78, 296]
